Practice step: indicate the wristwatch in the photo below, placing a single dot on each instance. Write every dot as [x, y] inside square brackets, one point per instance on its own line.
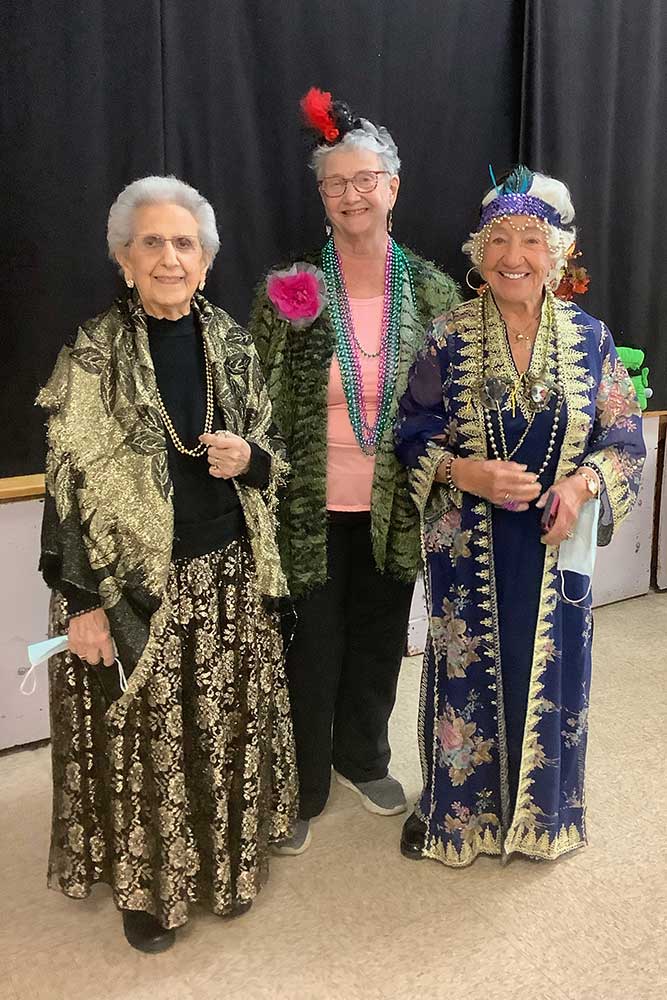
[591, 479]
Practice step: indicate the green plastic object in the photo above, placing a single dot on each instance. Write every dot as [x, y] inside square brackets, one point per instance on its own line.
[633, 359]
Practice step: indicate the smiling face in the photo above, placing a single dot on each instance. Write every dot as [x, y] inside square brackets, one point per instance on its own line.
[353, 214]
[516, 261]
[166, 277]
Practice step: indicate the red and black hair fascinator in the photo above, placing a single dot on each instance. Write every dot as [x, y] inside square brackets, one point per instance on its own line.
[328, 121]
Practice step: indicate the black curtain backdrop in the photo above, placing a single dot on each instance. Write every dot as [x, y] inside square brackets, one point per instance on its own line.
[93, 96]
[594, 113]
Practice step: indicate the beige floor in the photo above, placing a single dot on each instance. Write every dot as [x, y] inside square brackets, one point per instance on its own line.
[352, 919]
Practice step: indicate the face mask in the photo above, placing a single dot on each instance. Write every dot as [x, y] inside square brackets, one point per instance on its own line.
[38, 652]
[577, 554]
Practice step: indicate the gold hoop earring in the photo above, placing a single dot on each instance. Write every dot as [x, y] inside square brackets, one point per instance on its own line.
[474, 288]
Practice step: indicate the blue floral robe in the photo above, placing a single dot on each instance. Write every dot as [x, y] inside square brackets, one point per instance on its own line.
[505, 686]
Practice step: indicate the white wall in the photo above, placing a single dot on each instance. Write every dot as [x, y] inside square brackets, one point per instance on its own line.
[24, 601]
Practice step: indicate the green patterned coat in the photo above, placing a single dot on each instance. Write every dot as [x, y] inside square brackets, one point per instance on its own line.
[296, 367]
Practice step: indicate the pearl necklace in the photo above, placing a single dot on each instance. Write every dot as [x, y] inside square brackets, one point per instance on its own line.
[348, 349]
[200, 448]
[503, 454]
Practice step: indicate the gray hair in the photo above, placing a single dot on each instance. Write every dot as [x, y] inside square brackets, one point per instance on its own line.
[377, 140]
[160, 191]
[556, 194]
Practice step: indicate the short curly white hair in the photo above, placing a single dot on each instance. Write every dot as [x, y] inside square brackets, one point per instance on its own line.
[377, 140]
[559, 241]
[159, 191]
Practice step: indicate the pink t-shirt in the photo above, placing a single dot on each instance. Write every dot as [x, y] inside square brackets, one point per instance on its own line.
[349, 471]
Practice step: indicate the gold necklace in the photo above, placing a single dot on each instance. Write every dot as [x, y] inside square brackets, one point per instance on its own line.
[200, 448]
[520, 335]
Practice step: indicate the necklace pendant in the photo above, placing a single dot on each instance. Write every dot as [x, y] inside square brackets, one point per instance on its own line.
[492, 392]
[540, 394]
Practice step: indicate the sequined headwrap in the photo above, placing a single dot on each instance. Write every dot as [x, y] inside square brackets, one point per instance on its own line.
[519, 204]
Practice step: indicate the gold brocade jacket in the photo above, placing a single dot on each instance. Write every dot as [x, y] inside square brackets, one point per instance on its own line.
[108, 521]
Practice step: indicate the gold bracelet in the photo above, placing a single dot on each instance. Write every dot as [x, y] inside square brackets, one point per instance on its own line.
[591, 478]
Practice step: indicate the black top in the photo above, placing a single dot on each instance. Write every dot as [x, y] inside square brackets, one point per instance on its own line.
[207, 510]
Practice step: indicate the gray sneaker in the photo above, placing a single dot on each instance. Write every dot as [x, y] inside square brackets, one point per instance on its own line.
[384, 796]
[297, 843]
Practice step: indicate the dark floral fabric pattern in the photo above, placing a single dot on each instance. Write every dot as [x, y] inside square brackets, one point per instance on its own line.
[176, 799]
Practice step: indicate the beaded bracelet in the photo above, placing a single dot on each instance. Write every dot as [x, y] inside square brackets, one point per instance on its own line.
[447, 478]
[450, 479]
[77, 614]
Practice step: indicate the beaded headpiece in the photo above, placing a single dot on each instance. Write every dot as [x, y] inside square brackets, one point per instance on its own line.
[512, 198]
[519, 204]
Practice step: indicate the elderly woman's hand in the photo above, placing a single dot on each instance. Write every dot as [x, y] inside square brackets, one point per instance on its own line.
[228, 454]
[498, 482]
[89, 638]
[572, 495]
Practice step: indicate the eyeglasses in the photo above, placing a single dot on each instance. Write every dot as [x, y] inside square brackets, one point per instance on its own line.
[151, 243]
[364, 181]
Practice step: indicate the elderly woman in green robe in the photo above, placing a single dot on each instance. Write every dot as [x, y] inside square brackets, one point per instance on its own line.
[174, 770]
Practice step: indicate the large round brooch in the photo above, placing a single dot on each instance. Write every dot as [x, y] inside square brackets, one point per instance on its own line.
[492, 392]
[540, 394]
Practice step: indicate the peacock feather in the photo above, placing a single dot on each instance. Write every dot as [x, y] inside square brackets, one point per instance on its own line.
[518, 181]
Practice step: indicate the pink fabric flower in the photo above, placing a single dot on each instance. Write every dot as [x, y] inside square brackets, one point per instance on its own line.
[297, 294]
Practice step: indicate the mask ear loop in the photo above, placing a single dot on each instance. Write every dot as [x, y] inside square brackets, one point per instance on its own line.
[579, 600]
[122, 679]
[30, 675]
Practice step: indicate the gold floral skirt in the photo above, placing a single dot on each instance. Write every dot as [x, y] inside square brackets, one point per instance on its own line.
[178, 802]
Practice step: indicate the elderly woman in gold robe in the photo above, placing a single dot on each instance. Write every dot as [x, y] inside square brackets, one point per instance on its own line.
[173, 761]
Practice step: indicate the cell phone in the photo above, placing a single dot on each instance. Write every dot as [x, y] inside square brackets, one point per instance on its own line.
[549, 512]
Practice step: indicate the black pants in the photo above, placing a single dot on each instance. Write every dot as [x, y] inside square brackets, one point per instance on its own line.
[343, 663]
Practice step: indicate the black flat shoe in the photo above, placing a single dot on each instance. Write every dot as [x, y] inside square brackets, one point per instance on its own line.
[238, 909]
[413, 838]
[145, 933]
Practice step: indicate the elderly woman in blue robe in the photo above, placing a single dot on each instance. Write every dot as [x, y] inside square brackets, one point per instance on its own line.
[521, 432]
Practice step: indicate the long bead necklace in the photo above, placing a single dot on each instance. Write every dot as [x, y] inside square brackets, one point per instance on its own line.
[348, 349]
[200, 448]
[503, 454]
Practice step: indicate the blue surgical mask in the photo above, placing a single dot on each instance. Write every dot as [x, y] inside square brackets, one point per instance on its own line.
[577, 554]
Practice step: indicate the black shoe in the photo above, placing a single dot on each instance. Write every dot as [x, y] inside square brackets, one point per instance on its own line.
[413, 838]
[238, 909]
[145, 933]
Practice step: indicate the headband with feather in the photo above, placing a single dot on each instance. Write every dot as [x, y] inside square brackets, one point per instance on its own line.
[327, 120]
[512, 198]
